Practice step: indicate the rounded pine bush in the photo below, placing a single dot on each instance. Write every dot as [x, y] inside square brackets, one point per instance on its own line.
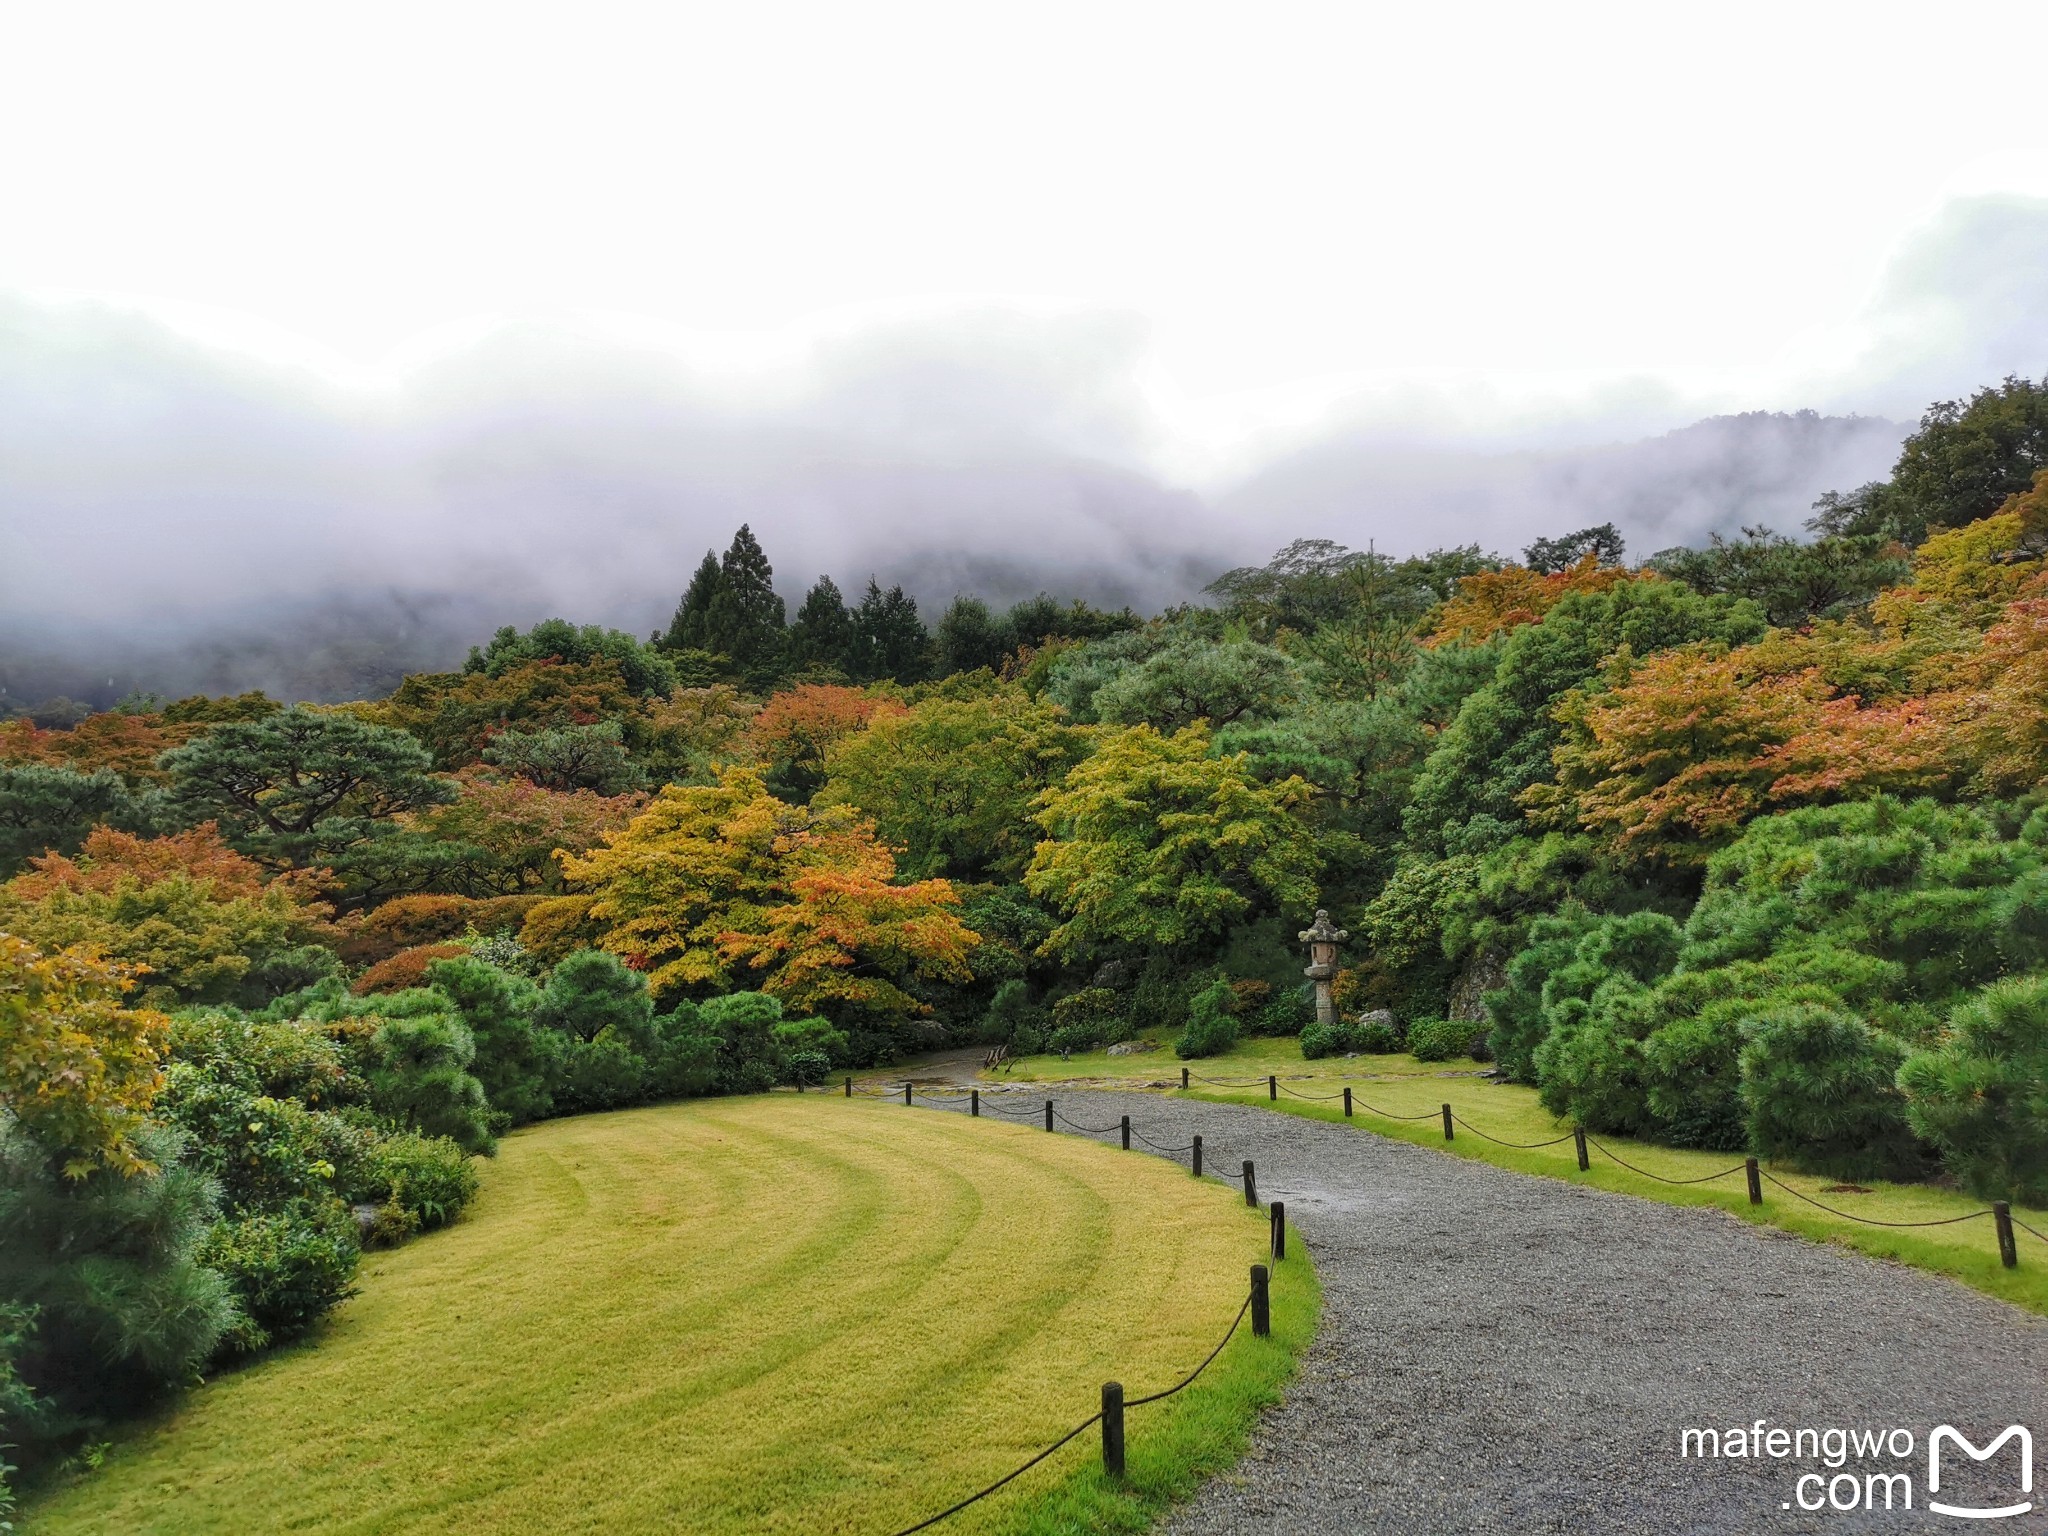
[1440, 1039]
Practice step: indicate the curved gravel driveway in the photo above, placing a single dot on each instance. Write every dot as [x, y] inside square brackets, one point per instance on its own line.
[1501, 1352]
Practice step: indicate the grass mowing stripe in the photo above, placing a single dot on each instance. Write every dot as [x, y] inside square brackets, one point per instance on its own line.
[741, 1315]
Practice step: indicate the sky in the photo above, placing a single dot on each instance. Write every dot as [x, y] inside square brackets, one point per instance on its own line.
[953, 285]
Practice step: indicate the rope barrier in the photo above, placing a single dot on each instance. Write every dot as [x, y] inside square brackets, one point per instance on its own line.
[1705, 1178]
[1316, 1096]
[1524, 1145]
[1158, 1147]
[1872, 1221]
[946, 1514]
[1086, 1130]
[1085, 1424]
[1388, 1114]
[2027, 1229]
[1188, 1380]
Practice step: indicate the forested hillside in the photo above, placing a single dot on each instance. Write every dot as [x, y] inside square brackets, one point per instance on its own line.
[1741, 846]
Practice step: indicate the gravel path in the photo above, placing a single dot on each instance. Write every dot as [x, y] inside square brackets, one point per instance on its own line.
[1507, 1353]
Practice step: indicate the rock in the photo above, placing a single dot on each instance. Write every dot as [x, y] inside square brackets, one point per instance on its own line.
[1131, 1047]
[1112, 974]
[1379, 1016]
[1485, 972]
[366, 1218]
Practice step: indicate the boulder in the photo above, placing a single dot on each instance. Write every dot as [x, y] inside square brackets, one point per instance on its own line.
[1131, 1047]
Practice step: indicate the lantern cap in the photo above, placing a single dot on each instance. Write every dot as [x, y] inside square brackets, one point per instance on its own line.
[1323, 931]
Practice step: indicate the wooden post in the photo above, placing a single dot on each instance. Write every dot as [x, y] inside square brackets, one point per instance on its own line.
[1579, 1142]
[974, 1102]
[1198, 1157]
[1127, 1133]
[1113, 1428]
[1449, 1134]
[1262, 1305]
[1279, 1230]
[2001, 1217]
[1273, 1088]
[1347, 1103]
[1048, 1114]
[1756, 1183]
[1183, 1079]
[849, 1087]
[1251, 1186]
[906, 1090]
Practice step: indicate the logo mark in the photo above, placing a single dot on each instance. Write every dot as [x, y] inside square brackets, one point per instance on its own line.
[1962, 1443]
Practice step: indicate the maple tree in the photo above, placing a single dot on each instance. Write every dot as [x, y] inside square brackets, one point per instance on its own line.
[796, 728]
[708, 878]
[126, 744]
[1153, 840]
[1683, 749]
[79, 1068]
[1488, 602]
[200, 920]
[952, 782]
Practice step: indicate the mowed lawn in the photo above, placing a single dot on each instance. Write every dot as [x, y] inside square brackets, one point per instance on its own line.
[1396, 1095]
[791, 1313]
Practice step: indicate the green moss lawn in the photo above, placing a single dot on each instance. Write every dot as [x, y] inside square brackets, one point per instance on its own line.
[787, 1313]
[1401, 1085]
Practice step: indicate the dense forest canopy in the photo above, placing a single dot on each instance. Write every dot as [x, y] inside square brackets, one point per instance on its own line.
[1740, 846]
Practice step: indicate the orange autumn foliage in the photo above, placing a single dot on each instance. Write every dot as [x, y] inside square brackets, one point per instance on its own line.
[128, 744]
[1490, 602]
[797, 726]
[1685, 748]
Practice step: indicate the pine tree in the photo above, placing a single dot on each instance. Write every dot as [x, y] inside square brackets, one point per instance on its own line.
[746, 615]
[821, 635]
[970, 636]
[889, 638]
[690, 629]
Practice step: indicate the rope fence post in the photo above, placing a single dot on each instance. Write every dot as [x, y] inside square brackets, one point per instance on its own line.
[1251, 1186]
[1579, 1141]
[974, 1102]
[1279, 1230]
[1048, 1114]
[1756, 1183]
[849, 1087]
[1198, 1157]
[1262, 1303]
[1127, 1132]
[1113, 1428]
[1273, 1087]
[1183, 1079]
[1347, 1103]
[906, 1090]
[2008, 1250]
[1449, 1134]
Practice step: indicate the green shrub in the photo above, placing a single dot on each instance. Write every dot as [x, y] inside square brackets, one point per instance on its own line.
[263, 1152]
[1373, 1037]
[1320, 1040]
[1982, 1097]
[124, 1309]
[807, 1069]
[514, 1056]
[1013, 1019]
[685, 1059]
[1085, 1020]
[591, 991]
[1440, 1039]
[744, 1024]
[1288, 1013]
[1211, 1030]
[289, 1268]
[1818, 1085]
[429, 1176]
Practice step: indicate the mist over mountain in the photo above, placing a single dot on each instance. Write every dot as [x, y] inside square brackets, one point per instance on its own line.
[178, 517]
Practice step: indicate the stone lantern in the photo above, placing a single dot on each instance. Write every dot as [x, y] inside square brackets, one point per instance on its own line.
[1322, 939]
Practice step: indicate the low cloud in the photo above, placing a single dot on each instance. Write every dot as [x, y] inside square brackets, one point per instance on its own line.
[177, 517]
